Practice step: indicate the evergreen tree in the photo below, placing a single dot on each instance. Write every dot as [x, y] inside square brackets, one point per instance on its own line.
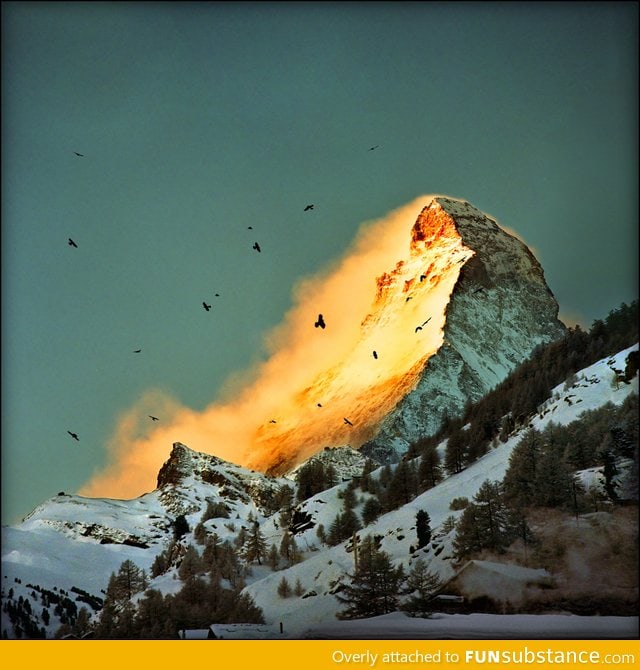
[284, 589]
[455, 452]
[153, 617]
[82, 624]
[244, 609]
[374, 586]
[313, 477]
[289, 549]
[180, 526]
[298, 590]
[485, 523]
[553, 481]
[255, 546]
[421, 586]
[274, 558]
[521, 478]
[117, 615]
[429, 470]
[215, 510]
[371, 510]
[367, 484]
[191, 564]
[321, 534]
[423, 528]
[402, 487]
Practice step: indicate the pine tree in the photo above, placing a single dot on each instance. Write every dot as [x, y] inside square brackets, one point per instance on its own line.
[298, 590]
[82, 624]
[180, 527]
[289, 549]
[429, 470]
[191, 564]
[117, 614]
[455, 452]
[284, 590]
[255, 545]
[553, 486]
[521, 478]
[423, 528]
[421, 586]
[273, 557]
[371, 510]
[485, 523]
[374, 587]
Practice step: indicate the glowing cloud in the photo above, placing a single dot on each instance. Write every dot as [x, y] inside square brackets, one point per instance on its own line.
[319, 387]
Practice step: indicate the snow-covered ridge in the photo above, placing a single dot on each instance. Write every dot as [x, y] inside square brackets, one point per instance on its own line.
[53, 547]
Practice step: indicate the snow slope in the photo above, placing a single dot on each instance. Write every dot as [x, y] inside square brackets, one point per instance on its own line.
[70, 541]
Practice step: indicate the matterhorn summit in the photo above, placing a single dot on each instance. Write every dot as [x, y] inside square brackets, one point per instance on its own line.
[499, 310]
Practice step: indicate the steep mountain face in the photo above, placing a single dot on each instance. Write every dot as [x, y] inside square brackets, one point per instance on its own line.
[499, 310]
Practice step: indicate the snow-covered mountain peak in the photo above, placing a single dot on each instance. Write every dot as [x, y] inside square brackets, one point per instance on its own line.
[500, 308]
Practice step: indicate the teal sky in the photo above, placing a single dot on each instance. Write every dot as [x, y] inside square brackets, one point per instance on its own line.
[197, 120]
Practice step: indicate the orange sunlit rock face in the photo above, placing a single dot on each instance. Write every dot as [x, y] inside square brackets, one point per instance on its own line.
[319, 387]
[363, 388]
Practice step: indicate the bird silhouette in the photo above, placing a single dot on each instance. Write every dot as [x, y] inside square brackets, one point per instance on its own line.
[217, 295]
[372, 148]
[74, 436]
[72, 243]
[308, 207]
[424, 323]
[423, 277]
[409, 298]
[348, 422]
[375, 354]
[319, 405]
[137, 351]
[320, 322]
[256, 246]
[249, 227]
[77, 154]
[207, 307]
[272, 421]
[153, 418]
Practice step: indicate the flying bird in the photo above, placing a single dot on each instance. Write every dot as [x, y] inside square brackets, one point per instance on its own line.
[375, 354]
[423, 277]
[153, 418]
[137, 351]
[74, 436]
[249, 227]
[72, 243]
[319, 405]
[77, 154]
[409, 298]
[308, 207]
[256, 246]
[272, 421]
[348, 422]
[424, 323]
[207, 307]
[217, 295]
[372, 148]
[320, 322]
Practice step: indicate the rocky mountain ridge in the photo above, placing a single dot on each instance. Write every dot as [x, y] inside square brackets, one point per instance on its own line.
[499, 310]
